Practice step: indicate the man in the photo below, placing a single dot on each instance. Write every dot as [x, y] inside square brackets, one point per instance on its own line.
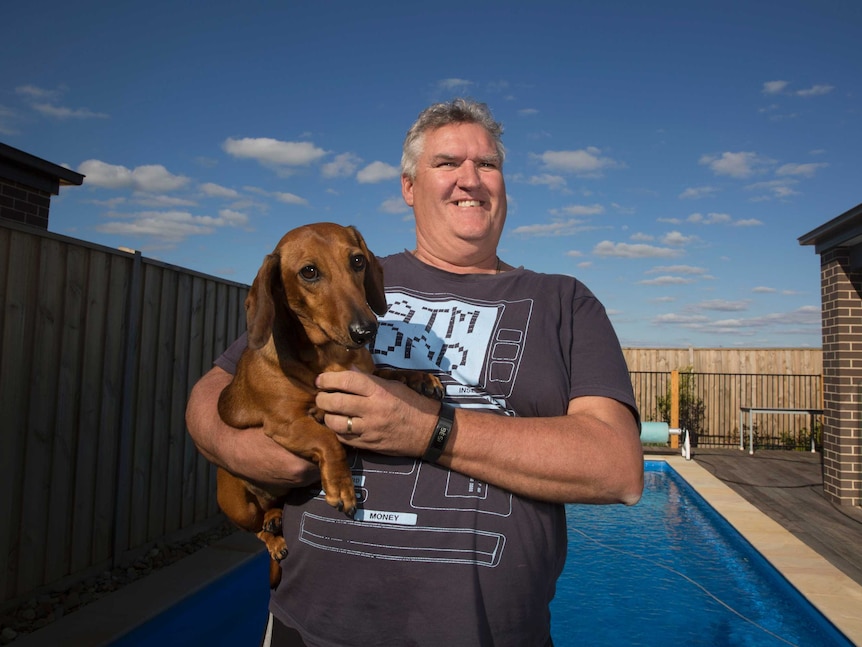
[460, 535]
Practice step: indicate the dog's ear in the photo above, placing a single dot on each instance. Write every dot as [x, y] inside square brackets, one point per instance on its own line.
[260, 303]
[374, 293]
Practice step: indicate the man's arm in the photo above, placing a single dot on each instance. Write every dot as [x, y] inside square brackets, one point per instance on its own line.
[248, 453]
[592, 454]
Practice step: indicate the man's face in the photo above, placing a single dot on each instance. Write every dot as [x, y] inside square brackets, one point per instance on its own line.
[458, 195]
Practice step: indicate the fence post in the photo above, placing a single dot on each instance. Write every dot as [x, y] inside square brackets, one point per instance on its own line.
[122, 504]
[674, 408]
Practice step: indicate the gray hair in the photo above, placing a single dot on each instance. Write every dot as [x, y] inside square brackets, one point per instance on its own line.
[456, 111]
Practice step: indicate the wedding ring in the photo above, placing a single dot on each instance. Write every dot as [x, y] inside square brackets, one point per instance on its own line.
[349, 425]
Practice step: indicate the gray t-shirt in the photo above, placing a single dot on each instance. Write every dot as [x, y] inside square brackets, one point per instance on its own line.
[434, 557]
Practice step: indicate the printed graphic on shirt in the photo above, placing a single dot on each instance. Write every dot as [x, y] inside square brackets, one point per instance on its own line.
[475, 348]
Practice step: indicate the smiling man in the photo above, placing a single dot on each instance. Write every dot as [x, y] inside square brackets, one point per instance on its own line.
[458, 195]
[460, 534]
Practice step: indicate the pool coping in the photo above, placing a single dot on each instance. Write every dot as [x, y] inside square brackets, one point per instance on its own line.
[834, 594]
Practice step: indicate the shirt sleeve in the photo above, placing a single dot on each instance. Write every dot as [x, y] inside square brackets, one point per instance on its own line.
[598, 356]
[229, 359]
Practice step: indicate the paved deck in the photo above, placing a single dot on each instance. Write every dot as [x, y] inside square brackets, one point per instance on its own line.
[788, 487]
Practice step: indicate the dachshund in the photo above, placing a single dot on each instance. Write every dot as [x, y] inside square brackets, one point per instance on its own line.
[310, 309]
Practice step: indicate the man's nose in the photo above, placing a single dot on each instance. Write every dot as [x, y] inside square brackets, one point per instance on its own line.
[468, 175]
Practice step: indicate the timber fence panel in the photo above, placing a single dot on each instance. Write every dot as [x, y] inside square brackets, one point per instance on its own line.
[99, 349]
[710, 406]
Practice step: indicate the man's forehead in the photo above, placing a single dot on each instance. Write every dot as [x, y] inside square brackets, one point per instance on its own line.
[454, 140]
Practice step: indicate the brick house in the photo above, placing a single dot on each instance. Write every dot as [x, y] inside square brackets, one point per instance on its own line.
[839, 244]
[27, 183]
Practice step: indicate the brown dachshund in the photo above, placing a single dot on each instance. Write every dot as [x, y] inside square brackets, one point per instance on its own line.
[310, 309]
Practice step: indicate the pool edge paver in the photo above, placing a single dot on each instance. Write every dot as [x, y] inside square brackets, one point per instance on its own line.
[832, 592]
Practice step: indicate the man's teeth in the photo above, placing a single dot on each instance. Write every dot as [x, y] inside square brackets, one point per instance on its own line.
[469, 203]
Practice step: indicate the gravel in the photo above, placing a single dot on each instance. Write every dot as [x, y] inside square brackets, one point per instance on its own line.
[42, 609]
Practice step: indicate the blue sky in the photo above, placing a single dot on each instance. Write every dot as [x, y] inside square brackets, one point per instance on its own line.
[667, 153]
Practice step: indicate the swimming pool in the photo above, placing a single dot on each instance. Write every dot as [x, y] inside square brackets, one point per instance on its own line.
[668, 571]
[672, 571]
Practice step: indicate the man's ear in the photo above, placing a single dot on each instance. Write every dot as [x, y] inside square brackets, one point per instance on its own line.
[407, 190]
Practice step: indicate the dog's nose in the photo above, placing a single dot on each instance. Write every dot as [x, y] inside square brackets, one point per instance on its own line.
[362, 332]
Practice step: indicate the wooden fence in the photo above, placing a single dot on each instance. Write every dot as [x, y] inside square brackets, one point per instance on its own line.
[98, 351]
[740, 361]
[715, 383]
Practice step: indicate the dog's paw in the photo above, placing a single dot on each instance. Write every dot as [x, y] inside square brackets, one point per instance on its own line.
[428, 385]
[277, 548]
[423, 383]
[340, 493]
[272, 521]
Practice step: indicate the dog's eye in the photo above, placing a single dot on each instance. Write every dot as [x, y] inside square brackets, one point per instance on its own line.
[309, 273]
[358, 263]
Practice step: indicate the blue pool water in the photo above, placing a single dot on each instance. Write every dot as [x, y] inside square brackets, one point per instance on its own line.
[668, 571]
[672, 571]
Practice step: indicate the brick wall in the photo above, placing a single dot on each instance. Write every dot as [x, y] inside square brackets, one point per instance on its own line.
[24, 204]
[841, 293]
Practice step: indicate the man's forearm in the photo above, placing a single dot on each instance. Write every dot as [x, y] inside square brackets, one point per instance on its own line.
[579, 457]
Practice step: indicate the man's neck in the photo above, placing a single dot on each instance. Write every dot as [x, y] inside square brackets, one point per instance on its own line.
[487, 265]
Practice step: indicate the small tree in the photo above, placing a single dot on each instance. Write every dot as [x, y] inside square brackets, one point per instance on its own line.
[691, 407]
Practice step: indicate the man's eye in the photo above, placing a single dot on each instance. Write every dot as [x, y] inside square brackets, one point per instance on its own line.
[309, 273]
[358, 263]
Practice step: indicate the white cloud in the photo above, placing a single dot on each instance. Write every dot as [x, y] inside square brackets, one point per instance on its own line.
[273, 151]
[722, 305]
[150, 178]
[584, 162]
[697, 192]
[777, 188]
[780, 87]
[549, 180]
[34, 92]
[774, 87]
[559, 228]
[800, 170]
[162, 201]
[7, 116]
[60, 112]
[738, 165]
[676, 239]
[673, 318]
[581, 210]
[666, 280]
[641, 237]
[709, 219]
[377, 172]
[344, 165]
[289, 198]
[44, 102]
[815, 91]
[213, 190]
[677, 269]
[170, 226]
[626, 250]
[453, 85]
